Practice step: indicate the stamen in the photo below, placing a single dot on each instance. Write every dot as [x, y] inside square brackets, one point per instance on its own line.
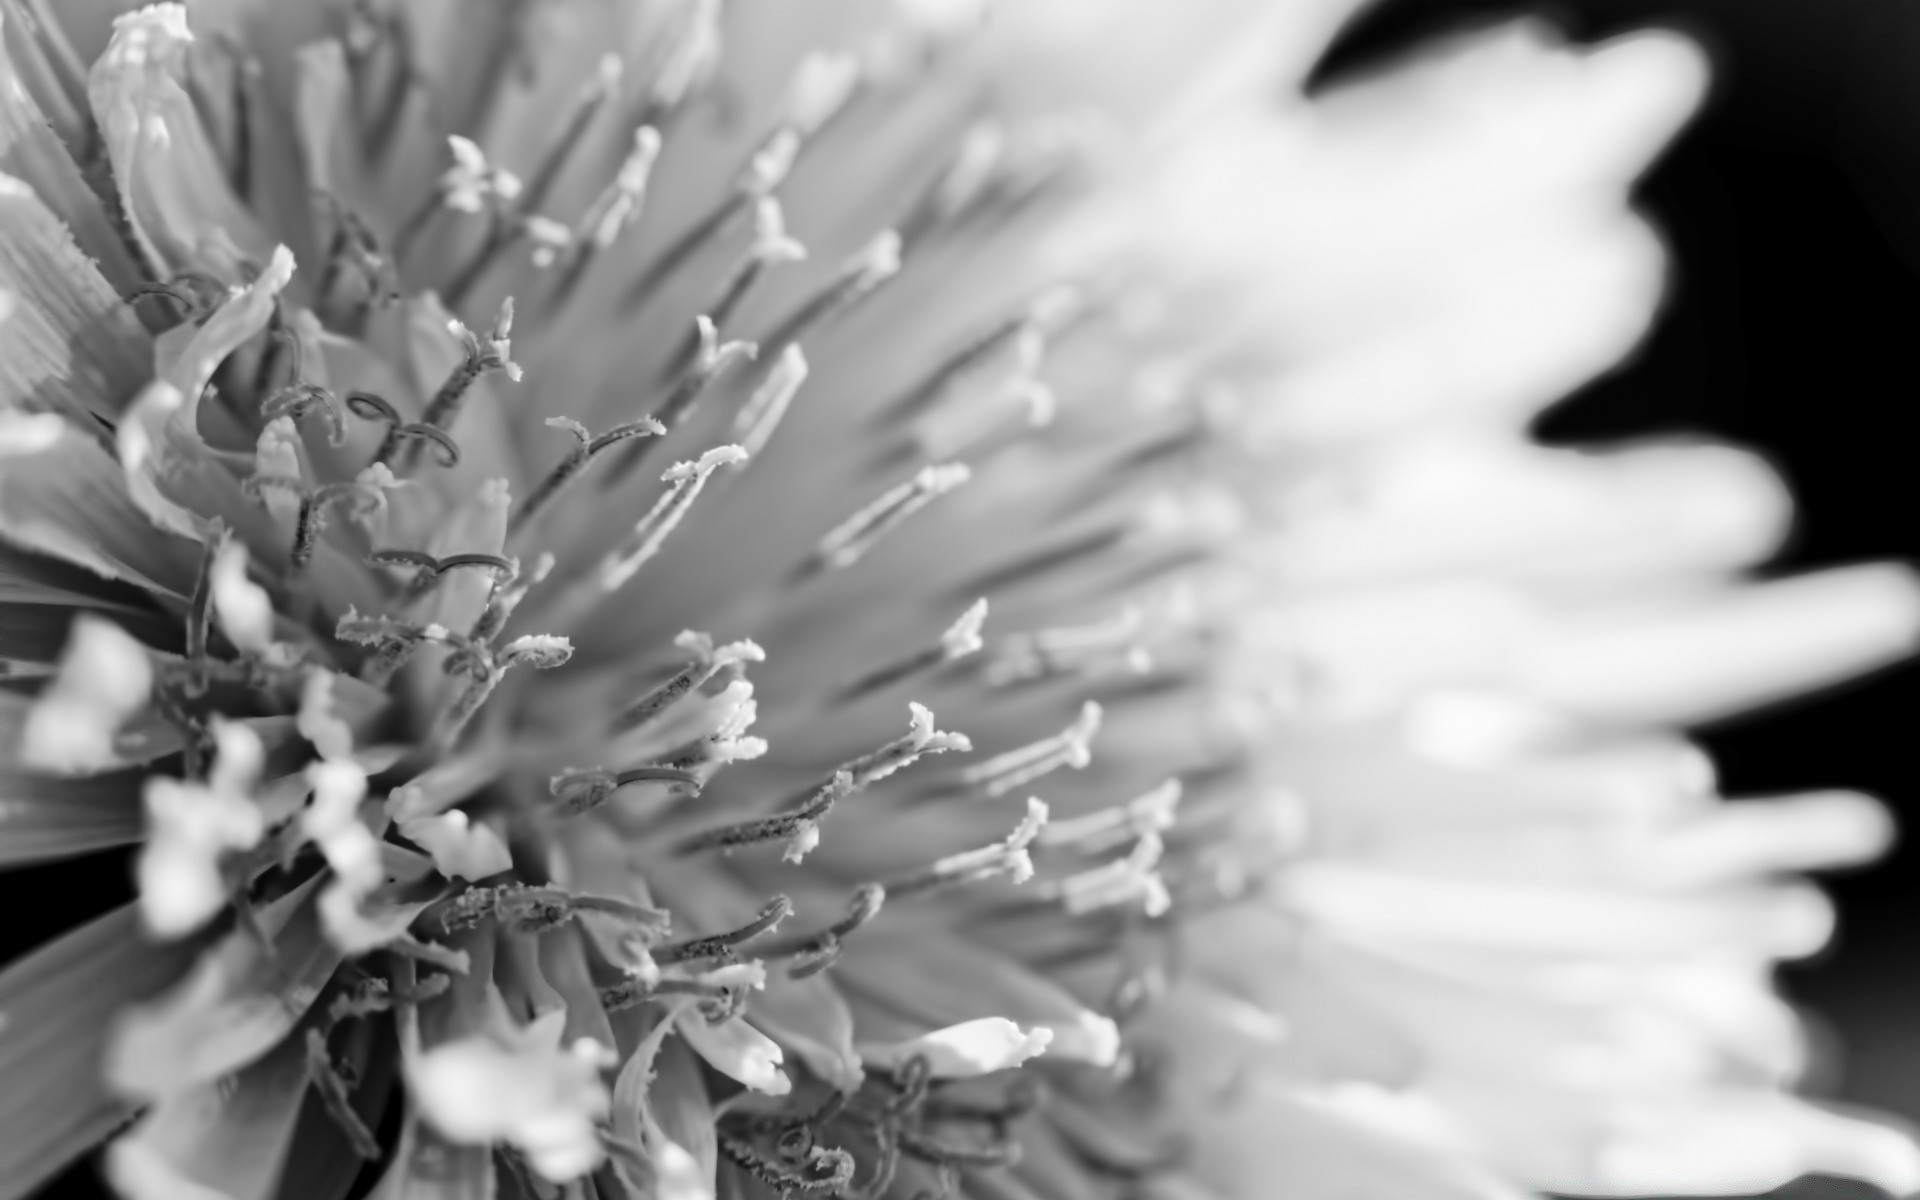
[484, 669]
[982, 149]
[821, 87]
[684, 480]
[299, 398]
[960, 639]
[798, 827]
[196, 294]
[690, 52]
[722, 945]
[712, 359]
[1022, 337]
[1008, 858]
[506, 597]
[369, 407]
[707, 663]
[1087, 648]
[771, 247]
[523, 908]
[310, 516]
[867, 270]
[766, 170]
[1152, 812]
[945, 1154]
[815, 952]
[850, 540]
[1017, 768]
[756, 421]
[1124, 881]
[587, 105]
[429, 570]
[582, 790]
[920, 739]
[480, 358]
[471, 185]
[355, 248]
[825, 1170]
[200, 612]
[336, 1096]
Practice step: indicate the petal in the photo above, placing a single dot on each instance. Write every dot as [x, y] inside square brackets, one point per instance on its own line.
[160, 435]
[810, 1019]
[238, 1003]
[1695, 662]
[229, 1137]
[46, 817]
[1750, 1143]
[426, 1166]
[942, 980]
[737, 1049]
[172, 181]
[977, 1047]
[31, 151]
[71, 344]
[105, 678]
[63, 495]
[58, 1002]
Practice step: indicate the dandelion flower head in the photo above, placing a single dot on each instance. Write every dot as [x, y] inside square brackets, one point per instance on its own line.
[890, 600]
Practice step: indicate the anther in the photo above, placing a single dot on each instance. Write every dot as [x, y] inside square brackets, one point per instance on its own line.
[610, 214]
[1017, 768]
[849, 541]
[723, 945]
[959, 640]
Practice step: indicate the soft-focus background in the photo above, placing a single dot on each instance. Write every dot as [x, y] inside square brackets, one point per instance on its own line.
[1793, 326]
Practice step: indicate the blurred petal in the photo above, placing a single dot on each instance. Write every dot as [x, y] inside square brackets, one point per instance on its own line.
[58, 1002]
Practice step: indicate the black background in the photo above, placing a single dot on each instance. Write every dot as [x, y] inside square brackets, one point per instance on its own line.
[1792, 206]
[1793, 209]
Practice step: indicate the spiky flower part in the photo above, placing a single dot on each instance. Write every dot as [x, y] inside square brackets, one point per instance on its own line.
[513, 485]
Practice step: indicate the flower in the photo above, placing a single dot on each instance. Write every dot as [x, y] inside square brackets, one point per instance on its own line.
[753, 607]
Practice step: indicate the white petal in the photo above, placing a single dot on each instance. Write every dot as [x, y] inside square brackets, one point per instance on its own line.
[962, 1051]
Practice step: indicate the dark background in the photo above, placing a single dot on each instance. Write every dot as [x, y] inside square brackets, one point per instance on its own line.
[1792, 206]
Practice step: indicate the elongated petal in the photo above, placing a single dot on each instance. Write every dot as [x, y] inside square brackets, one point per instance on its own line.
[1700, 661]
[229, 1137]
[70, 345]
[45, 817]
[58, 1003]
[239, 1002]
